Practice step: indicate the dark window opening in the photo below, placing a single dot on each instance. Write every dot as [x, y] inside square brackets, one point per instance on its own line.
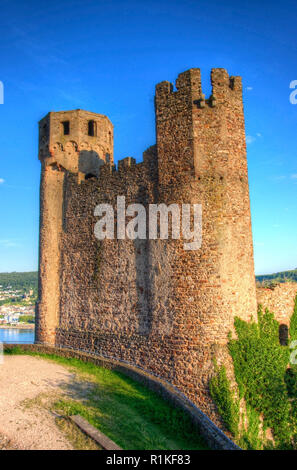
[290, 381]
[89, 176]
[92, 128]
[283, 334]
[66, 127]
[44, 133]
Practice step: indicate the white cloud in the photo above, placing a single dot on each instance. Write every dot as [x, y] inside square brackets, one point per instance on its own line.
[9, 243]
[249, 88]
[250, 139]
[293, 176]
[279, 178]
[1, 180]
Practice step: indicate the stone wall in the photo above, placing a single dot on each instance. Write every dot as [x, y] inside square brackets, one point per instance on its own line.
[279, 299]
[151, 303]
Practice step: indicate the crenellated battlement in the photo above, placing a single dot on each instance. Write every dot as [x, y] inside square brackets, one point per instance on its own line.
[191, 80]
[196, 134]
[188, 84]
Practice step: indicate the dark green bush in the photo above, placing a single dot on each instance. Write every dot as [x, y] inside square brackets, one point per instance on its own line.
[265, 381]
[225, 400]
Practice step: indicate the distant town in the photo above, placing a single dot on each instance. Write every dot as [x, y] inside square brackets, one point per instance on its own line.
[15, 311]
[18, 293]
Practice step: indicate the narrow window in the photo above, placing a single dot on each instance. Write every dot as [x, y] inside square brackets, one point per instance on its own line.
[66, 127]
[283, 334]
[44, 133]
[92, 128]
[44, 130]
[89, 176]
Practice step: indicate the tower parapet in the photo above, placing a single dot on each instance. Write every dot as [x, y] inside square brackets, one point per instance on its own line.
[78, 141]
[195, 134]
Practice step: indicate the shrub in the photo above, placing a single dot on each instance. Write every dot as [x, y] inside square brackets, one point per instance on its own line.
[264, 381]
[225, 400]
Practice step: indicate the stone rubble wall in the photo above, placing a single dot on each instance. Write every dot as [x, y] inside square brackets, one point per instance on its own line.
[279, 300]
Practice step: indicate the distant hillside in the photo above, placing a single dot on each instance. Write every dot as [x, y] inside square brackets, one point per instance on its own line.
[283, 276]
[20, 281]
[29, 280]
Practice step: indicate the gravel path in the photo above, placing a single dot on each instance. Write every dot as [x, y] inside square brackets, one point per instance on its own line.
[23, 426]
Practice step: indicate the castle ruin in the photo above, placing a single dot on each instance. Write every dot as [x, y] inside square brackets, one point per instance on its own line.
[149, 302]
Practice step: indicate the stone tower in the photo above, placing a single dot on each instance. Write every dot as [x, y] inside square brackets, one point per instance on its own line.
[149, 302]
[79, 142]
[201, 151]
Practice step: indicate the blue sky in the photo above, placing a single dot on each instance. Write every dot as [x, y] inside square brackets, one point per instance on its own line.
[107, 56]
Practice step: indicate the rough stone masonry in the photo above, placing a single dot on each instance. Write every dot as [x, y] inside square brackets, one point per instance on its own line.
[149, 302]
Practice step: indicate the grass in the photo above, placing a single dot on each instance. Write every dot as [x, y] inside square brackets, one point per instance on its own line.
[127, 412]
[77, 438]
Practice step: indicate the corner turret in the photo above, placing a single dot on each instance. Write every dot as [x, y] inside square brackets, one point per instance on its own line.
[78, 141]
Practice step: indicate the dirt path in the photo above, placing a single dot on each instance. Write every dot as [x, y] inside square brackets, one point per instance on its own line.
[23, 379]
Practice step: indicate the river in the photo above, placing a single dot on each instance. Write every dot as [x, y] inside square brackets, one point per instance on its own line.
[16, 335]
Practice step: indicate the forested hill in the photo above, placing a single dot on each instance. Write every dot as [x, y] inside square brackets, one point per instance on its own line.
[29, 280]
[19, 281]
[278, 277]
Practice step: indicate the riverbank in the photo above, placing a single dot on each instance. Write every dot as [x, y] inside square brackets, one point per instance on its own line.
[19, 326]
